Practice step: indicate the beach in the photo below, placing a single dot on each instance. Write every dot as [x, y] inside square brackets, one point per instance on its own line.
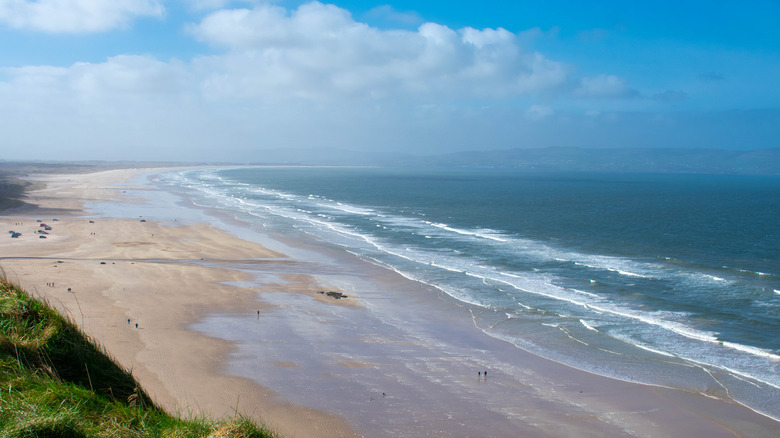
[214, 322]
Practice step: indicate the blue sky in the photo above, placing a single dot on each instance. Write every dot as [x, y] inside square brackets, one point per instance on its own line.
[215, 79]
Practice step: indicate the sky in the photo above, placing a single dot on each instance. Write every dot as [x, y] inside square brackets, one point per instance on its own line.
[221, 80]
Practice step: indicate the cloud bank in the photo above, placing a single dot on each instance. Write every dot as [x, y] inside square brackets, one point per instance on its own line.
[319, 51]
[316, 52]
[75, 16]
[309, 76]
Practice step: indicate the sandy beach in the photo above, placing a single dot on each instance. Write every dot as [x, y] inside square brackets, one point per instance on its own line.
[135, 287]
[212, 323]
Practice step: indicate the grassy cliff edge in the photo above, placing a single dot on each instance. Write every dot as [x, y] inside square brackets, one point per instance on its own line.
[56, 382]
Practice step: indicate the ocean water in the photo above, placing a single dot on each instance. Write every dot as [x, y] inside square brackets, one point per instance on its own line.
[670, 280]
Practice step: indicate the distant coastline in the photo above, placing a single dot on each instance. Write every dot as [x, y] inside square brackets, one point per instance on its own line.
[554, 159]
[557, 159]
[15, 181]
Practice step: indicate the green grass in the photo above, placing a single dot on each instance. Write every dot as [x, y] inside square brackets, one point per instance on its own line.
[55, 382]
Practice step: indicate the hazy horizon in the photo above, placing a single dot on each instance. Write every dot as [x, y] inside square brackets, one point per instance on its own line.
[232, 81]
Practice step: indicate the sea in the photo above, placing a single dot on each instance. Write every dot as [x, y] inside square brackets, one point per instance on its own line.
[662, 279]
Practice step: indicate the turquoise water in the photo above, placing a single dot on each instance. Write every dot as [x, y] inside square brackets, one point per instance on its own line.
[671, 280]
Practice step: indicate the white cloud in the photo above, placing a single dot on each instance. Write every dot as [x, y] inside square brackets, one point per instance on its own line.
[75, 16]
[320, 51]
[131, 86]
[538, 112]
[605, 86]
[126, 106]
[124, 74]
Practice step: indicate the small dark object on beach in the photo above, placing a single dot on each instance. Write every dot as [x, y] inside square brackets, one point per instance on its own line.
[335, 295]
[102, 263]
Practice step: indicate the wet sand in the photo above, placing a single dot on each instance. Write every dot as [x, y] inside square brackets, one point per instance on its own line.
[396, 358]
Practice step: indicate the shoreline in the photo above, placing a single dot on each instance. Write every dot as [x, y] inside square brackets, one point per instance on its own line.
[142, 274]
[551, 401]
